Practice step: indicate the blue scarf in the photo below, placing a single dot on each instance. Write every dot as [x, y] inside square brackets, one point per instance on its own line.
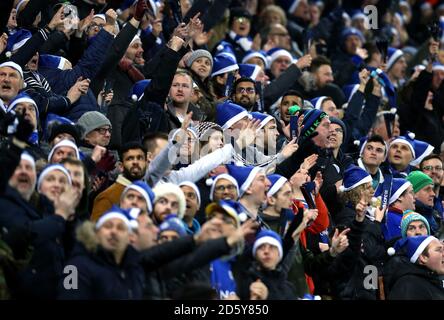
[195, 228]
[244, 42]
[34, 138]
[222, 279]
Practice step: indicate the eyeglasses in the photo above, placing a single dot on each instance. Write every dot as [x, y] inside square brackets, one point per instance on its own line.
[338, 130]
[248, 90]
[230, 187]
[431, 168]
[96, 26]
[104, 130]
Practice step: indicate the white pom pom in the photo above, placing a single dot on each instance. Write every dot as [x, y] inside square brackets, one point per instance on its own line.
[133, 224]
[341, 188]
[119, 12]
[219, 47]
[391, 251]
[411, 135]
[243, 217]
[134, 98]
[209, 182]
[8, 54]
[393, 110]
[24, 85]
[357, 143]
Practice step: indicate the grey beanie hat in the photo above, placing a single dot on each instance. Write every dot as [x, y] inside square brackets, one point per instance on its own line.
[92, 120]
[197, 54]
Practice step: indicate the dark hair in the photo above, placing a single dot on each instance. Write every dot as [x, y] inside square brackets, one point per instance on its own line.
[131, 146]
[241, 79]
[376, 138]
[293, 92]
[149, 140]
[74, 162]
[318, 62]
[430, 157]
[371, 48]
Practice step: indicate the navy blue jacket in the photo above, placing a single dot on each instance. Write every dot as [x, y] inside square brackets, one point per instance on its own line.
[39, 279]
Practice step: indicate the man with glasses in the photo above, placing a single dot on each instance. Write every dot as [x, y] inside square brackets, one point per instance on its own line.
[432, 166]
[244, 93]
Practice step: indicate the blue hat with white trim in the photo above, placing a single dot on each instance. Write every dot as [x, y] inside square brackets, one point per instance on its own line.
[243, 175]
[145, 190]
[228, 113]
[262, 117]
[277, 181]
[355, 176]
[223, 63]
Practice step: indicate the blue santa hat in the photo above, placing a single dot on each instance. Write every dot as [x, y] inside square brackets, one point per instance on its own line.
[223, 63]
[52, 61]
[393, 55]
[227, 48]
[129, 217]
[357, 14]
[413, 246]
[228, 113]
[244, 176]
[262, 117]
[277, 181]
[289, 5]
[17, 40]
[211, 182]
[138, 89]
[422, 150]
[173, 223]
[317, 102]
[144, 190]
[275, 53]
[270, 237]
[398, 187]
[347, 32]
[249, 71]
[408, 140]
[256, 54]
[64, 143]
[230, 207]
[354, 176]
[23, 98]
[194, 187]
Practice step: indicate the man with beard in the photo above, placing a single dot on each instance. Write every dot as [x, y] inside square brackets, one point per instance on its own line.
[169, 199]
[133, 157]
[244, 93]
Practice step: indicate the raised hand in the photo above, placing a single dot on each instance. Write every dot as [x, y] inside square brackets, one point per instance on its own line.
[85, 22]
[141, 7]
[65, 205]
[248, 134]
[57, 19]
[339, 242]
[318, 180]
[3, 42]
[258, 290]
[182, 135]
[309, 162]
[380, 213]
[304, 62]
[290, 148]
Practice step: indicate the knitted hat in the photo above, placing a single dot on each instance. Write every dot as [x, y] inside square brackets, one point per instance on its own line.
[228, 113]
[277, 181]
[270, 237]
[393, 55]
[144, 190]
[312, 119]
[414, 246]
[351, 32]
[194, 187]
[239, 12]
[92, 120]
[23, 98]
[17, 40]
[172, 223]
[52, 62]
[244, 176]
[255, 54]
[231, 208]
[213, 180]
[162, 189]
[128, 216]
[410, 216]
[407, 140]
[249, 71]
[275, 53]
[205, 129]
[64, 143]
[289, 5]
[50, 168]
[12, 65]
[422, 150]
[223, 63]
[317, 102]
[138, 89]
[197, 54]
[419, 180]
[65, 128]
[262, 117]
[341, 124]
[354, 176]
[398, 187]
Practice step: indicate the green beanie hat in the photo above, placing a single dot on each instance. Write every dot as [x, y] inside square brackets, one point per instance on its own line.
[419, 180]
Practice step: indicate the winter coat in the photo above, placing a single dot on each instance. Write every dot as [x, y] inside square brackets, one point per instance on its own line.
[407, 281]
[99, 276]
[432, 216]
[391, 228]
[39, 279]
